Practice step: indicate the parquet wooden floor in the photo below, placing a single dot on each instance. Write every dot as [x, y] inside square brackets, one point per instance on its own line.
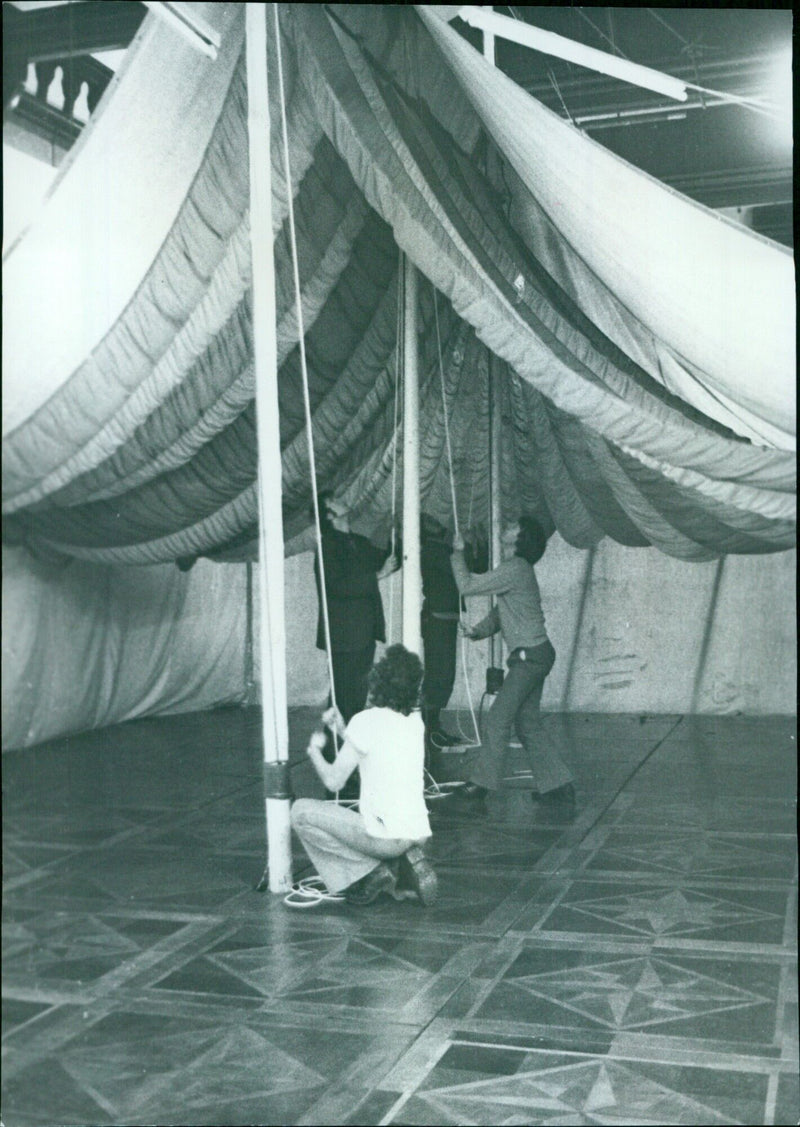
[637, 964]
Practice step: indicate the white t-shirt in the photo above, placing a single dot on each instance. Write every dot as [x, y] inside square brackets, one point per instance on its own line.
[391, 762]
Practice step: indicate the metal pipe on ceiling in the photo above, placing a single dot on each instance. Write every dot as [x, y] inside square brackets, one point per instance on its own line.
[526, 35]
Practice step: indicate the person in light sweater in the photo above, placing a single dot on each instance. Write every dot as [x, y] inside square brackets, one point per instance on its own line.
[378, 848]
[518, 614]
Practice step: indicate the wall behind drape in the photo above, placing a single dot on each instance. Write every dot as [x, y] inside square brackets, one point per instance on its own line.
[88, 645]
[634, 631]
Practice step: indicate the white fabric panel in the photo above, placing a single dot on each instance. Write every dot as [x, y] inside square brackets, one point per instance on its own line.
[638, 631]
[634, 631]
[603, 307]
[88, 645]
[719, 296]
[91, 645]
[65, 282]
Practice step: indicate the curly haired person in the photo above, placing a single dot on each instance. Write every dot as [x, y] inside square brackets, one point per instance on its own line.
[518, 615]
[377, 849]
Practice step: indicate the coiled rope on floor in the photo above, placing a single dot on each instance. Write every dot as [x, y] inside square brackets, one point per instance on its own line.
[309, 892]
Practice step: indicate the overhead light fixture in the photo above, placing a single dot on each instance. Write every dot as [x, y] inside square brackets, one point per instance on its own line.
[551, 44]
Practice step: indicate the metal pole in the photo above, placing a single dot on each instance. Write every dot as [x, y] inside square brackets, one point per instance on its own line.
[496, 641]
[270, 523]
[518, 31]
[494, 488]
[249, 664]
[412, 576]
[488, 46]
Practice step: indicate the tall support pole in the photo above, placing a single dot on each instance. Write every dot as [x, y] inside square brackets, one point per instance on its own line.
[412, 576]
[495, 513]
[495, 642]
[488, 46]
[272, 638]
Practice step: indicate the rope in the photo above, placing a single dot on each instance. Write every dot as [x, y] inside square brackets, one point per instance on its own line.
[557, 89]
[444, 411]
[470, 510]
[617, 50]
[757, 105]
[748, 103]
[304, 372]
[434, 791]
[309, 892]
[669, 27]
[395, 422]
[455, 506]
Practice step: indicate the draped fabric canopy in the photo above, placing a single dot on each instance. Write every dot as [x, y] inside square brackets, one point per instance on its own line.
[644, 348]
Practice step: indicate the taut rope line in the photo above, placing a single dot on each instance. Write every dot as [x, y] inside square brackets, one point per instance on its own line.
[454, 502]
[304, 368]
[395, 423]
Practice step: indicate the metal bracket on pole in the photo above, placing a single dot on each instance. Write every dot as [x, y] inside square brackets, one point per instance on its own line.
[276, 780]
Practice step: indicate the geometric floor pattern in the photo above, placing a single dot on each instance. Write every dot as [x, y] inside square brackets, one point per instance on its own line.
[561, 1091]
[635, 964]
[640, 992]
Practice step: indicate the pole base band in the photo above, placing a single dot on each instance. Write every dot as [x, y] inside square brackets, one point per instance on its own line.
[276, 780]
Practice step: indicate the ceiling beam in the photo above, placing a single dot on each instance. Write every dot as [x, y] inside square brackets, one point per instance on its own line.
[742, 76]
[69, 30]
[526, 35]
[753, 186]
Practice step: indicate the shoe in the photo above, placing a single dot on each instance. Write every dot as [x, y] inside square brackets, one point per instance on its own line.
[471, 792]
[440, 738]
[369, 888]
[416, 872]
[560, 798]
[470, 796]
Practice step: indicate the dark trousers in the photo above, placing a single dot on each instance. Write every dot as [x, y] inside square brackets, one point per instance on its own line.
[350, 671]
[517, 706]
[439, 649]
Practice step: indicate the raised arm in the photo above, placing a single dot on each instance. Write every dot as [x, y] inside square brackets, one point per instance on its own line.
[332, 775]
[495, 582]
[487, 626]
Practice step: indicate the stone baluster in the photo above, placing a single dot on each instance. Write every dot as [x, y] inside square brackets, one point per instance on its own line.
[45, 72]
[72, 85]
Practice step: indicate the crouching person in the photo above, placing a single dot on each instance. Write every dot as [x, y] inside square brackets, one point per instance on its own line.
[377, 849]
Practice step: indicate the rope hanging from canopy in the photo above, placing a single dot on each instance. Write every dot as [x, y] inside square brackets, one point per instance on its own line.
[304, 372]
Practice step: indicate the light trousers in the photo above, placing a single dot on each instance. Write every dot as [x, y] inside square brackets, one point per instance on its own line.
[335, 839]
[517, 706]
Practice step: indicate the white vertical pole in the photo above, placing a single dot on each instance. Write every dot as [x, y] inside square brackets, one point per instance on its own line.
[270, 519]
[412, 576]
[494, 478]
[488, 46]
[495, 642]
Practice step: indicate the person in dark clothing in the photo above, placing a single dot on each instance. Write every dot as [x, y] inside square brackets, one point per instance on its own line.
[355, 610]
[440, 615]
